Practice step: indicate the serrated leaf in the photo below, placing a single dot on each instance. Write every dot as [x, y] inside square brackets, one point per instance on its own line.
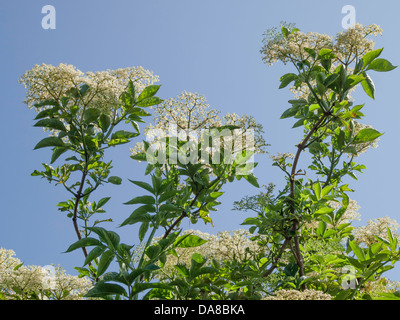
[368, 86]
[289, 112]
[143, 185]
[93, 254]
[47, 103]
[286, 79]
[123, 134]
[252, 180]
[370, 56]
[102, 290]
[147, 102]
[115, 180]
[103, 201]
[149, 91]
[143, 229]
[51, 123]
[142, 199]
[91, 114]
[357, 250]
[57, 152]
[84, 242]
[104, 122]
[366, 135]
[190, 241]
[49, 142]
[105, 261]
[381, 65]
[109, 237]
[141, 214]
[298, 123]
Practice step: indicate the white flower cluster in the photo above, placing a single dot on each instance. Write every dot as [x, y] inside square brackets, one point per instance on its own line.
[190, 119]
[376, 227]
[307, 294]
[18, 281]
[223, 246]
[351, 214]
[47, 82]
[347, 45]
[284, 156]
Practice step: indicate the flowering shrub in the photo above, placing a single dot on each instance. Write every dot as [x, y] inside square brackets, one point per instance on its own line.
[300, 244]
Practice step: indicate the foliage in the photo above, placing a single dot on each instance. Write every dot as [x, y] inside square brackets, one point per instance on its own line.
[301, 243]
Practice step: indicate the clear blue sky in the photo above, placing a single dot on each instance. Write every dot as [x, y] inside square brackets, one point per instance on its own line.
[209, 47]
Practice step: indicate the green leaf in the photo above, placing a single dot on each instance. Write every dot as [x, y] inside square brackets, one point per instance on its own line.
[148, 92]
[84, 242]
[140, 156]
[142, 199]
[352, 80]
[298, 123]
[131, 88]
[357, 250]
[190, 241]
[381, 65]
[141, 214]
[331, 79]
[49, 142]
[57, 152]
[147, 102]
[170, 207]
[103, 201]
[51, 123]
[182, 269]
[285, 31]
[370, 56]
[91, 114]
[286, 79]
[109, 237]
[368, 85]
[289, 112]
[325, 54]
[115, 180]
[167, 195]
[326, 190]
[311, 52]
[47, 113]
[366, 135]
[122, 134]
[93, 254]
[143, 229]
[105, 261]
[143, 185]
[252, 180]
[46, 103]
[104, 122]
[102, 290]
[322, 225]
[291, 269]
[317, 189]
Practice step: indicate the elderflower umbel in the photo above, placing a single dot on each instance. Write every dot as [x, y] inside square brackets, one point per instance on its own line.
[292, 294]
[18, 281]
[375, 227]
[46, 82]
[347, 46]
[189, 115]
[223, 246]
